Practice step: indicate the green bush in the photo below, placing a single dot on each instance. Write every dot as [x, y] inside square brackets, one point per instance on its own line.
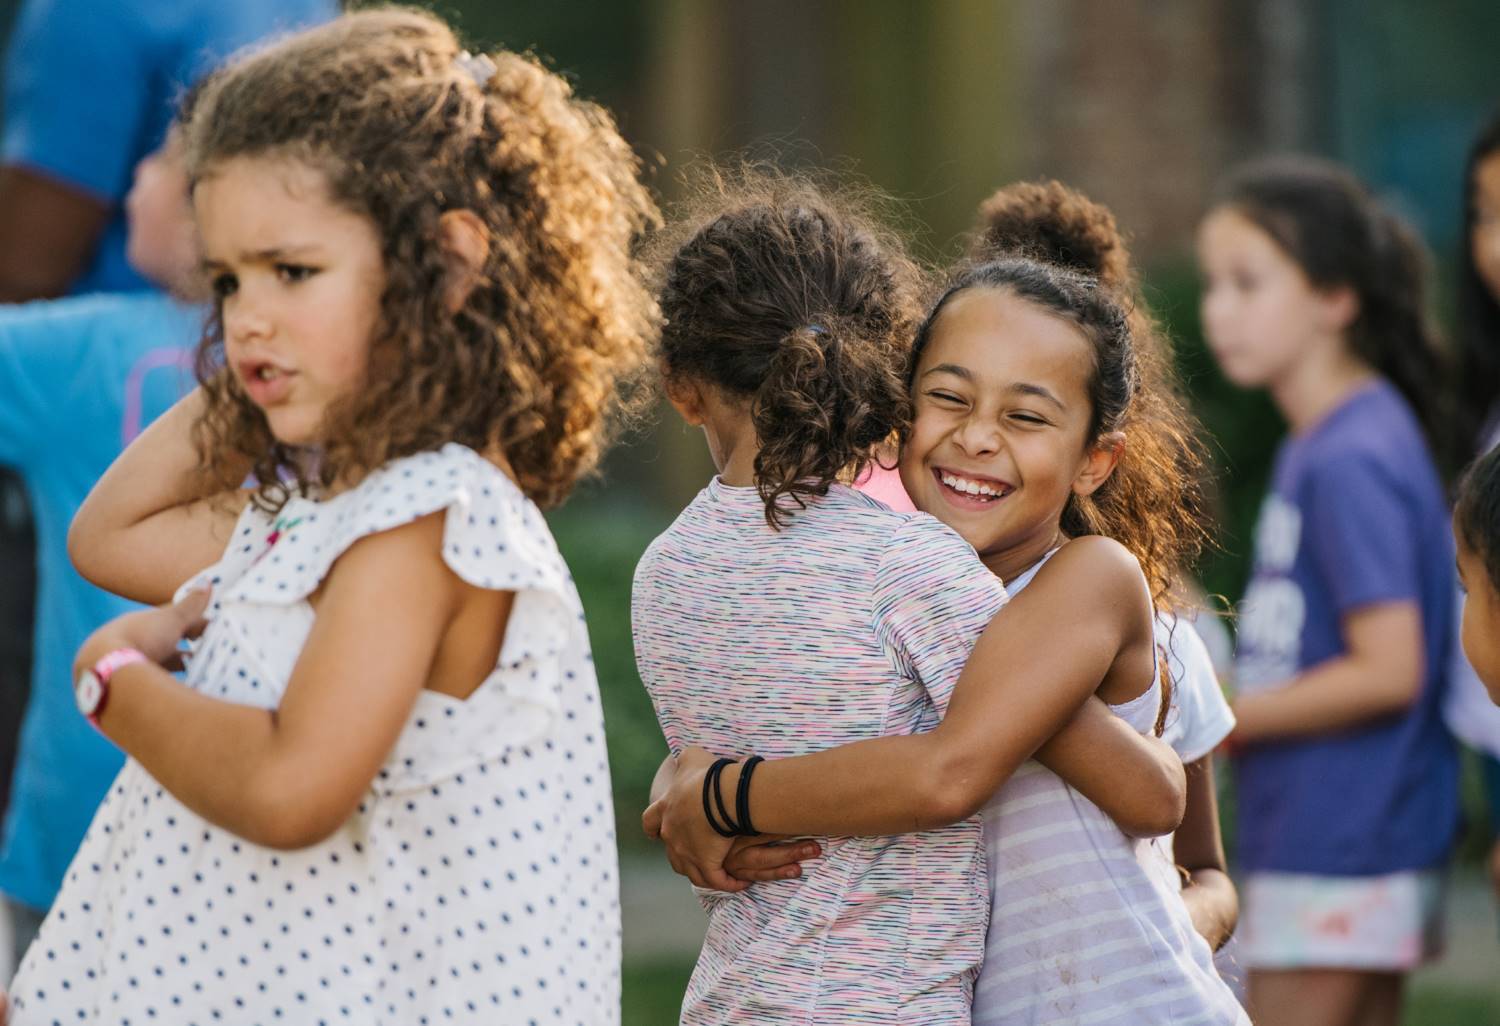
[602, 544]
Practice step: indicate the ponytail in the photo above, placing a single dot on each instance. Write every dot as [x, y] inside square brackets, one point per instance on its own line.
[828, 399]
[1394, 332]
[1056, 224]
[794, 299]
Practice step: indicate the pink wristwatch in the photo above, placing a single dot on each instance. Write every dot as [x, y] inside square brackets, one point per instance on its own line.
[92, 687]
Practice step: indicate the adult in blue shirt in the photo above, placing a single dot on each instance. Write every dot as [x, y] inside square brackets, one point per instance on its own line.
[89, 87]
[89, 90]
[79, 377]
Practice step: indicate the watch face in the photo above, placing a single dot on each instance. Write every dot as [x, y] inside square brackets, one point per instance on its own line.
[88, 691]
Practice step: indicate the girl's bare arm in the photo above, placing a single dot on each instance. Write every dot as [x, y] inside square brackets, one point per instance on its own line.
[1030, 672]
[148, 525]
[1095, 753]
[288, 777]
[1137, 781]
[1380, 674]
[1209, 893]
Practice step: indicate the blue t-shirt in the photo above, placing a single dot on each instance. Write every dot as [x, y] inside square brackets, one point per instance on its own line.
[79, 378]
[1356, 517]
[90, 89]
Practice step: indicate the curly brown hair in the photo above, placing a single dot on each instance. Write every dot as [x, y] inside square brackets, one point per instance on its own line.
[1155, 502]
[792, 295]
[1056, 224]
[560, 319]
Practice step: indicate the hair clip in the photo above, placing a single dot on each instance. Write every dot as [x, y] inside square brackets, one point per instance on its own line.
[479, 67]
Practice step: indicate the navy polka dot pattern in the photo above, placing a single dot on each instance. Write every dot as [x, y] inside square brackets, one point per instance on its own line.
[478, 881]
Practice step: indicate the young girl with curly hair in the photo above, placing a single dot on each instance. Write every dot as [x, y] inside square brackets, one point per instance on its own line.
[1058, 224]
[380, 794]
[1004, 448]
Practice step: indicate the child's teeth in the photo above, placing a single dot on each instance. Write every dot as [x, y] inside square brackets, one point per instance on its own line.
[959, 484]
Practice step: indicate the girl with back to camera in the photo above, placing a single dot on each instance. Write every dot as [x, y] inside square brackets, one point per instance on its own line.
[1469, 711]
[1347, 782]
[381, 793]
[1005, 448]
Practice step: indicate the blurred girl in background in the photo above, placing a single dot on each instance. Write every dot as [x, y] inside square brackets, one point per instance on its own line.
[1347, 780]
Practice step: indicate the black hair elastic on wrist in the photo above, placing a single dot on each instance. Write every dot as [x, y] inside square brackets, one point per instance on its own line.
[711, 787]
[730, 825]
[742, 798]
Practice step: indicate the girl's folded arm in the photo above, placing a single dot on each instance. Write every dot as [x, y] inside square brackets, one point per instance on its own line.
[1138, 781]
[150, 522]
[288, 777]
[1032, 668]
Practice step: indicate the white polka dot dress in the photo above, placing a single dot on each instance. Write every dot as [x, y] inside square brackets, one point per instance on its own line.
[477, 883]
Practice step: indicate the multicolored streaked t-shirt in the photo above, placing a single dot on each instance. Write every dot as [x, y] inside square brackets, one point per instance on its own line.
[852, 622]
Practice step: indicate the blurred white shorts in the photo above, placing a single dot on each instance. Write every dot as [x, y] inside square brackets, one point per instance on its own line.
[1375, 923]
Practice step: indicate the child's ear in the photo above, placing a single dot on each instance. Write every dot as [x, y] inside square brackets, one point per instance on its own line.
[1340, 306]
[466, 245]
[686, 397]
[1103, 456]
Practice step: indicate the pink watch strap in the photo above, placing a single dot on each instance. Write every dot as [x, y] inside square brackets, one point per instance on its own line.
[106, 667]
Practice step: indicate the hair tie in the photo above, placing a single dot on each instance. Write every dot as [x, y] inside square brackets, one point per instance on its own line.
[712, 797]
[817, 330]
[479, 67]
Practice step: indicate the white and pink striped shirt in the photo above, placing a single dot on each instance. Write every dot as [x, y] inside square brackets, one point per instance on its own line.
[1087, 925]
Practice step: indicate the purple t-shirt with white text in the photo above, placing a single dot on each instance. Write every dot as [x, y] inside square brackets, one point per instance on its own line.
[1355, 517]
